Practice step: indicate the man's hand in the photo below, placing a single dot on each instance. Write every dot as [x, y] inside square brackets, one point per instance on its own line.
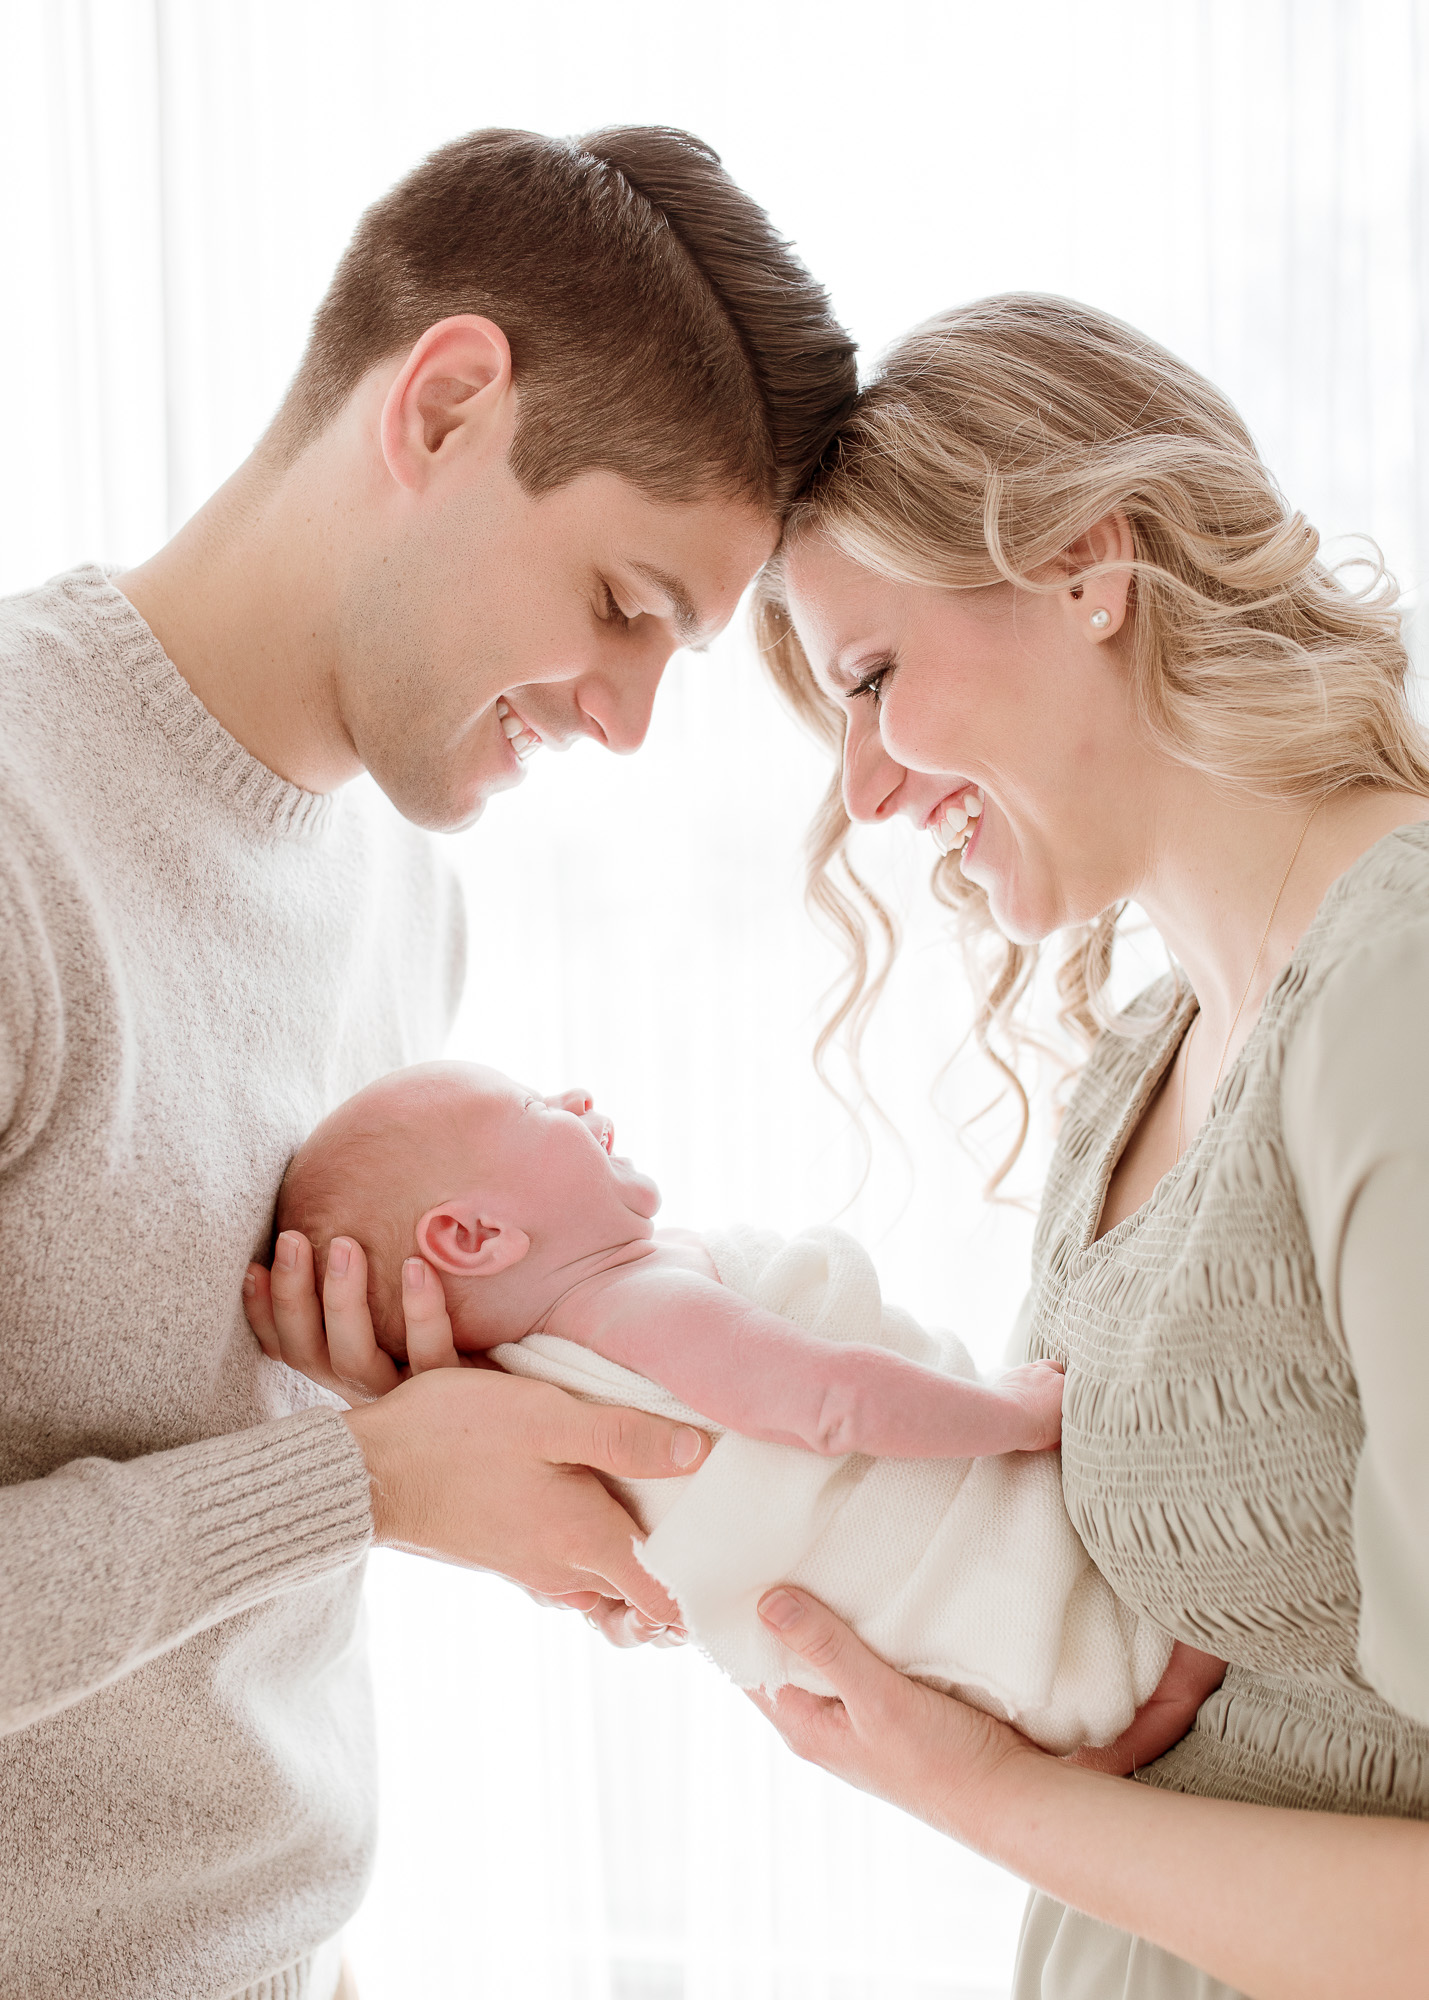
[331, 1341]
[470, 1465]
[495, 1472]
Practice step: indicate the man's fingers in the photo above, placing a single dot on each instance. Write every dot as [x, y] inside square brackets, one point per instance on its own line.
[296, 1311]
[628, 1444]
[621, 1625]
[621, 1575]
[360, 1366]
[429, 1327]
[858, 1677]
[258, 1306]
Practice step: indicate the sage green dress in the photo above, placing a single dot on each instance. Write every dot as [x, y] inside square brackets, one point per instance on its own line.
[1245, 1445]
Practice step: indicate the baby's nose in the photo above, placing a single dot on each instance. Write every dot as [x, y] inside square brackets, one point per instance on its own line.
[579, 1101]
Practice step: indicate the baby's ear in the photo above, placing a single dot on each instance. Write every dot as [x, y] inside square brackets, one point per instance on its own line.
[458, 1238]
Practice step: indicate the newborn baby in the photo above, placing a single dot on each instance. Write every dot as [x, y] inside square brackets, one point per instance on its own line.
[856, 1455]
[537, 1226]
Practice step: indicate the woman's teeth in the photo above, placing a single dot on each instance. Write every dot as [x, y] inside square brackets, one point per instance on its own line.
[952, 829]
[525, 742]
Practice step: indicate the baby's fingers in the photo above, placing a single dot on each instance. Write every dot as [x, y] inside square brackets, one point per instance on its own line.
[424, 1308]
[362, 1370]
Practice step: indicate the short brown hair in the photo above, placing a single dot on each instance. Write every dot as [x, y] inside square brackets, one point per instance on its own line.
[659, 327]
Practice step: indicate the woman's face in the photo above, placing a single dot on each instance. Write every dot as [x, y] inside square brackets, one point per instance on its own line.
[1013, 692]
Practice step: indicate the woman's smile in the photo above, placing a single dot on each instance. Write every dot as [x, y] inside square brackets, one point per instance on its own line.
[953, 823]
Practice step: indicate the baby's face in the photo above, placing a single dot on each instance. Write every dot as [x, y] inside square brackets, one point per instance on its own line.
[552, 1159]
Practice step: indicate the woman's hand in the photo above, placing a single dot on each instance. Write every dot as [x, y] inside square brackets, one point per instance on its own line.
[1277, 1904]
[480, 1468]
[925, 1752]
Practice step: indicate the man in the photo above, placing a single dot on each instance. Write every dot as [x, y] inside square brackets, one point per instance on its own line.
[552, 407]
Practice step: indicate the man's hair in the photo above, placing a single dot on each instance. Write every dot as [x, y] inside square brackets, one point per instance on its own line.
[659, 327]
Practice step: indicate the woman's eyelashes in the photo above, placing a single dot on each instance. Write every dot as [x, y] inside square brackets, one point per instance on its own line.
[872, 683]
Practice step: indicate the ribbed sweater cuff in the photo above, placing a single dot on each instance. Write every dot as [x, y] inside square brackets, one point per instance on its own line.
[266, 1509]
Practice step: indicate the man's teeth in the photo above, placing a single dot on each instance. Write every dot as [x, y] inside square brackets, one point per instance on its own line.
[525, 742]
[951, 829]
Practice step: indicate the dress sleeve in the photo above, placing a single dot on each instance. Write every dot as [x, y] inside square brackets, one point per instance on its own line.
[1356, 1112]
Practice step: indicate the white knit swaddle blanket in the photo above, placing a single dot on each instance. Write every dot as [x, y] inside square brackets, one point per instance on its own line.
[964, 1572]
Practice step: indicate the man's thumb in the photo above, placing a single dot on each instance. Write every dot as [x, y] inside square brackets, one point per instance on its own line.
[630, 1444]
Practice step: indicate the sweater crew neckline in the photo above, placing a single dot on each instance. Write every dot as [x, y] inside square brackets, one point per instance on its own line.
[212, 753]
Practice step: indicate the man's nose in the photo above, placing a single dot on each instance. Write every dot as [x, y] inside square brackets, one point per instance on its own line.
[618, 702]
[872, 780]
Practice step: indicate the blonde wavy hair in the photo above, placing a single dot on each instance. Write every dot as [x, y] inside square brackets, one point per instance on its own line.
[991, 439]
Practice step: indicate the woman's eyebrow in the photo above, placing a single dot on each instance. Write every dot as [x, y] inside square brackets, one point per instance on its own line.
[845, 674]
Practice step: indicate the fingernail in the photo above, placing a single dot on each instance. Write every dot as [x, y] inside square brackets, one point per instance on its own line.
[339, 1256]
[780, 1610]
[414, 1274]
[286, 1253]
[685, 1446]
[250, 1283]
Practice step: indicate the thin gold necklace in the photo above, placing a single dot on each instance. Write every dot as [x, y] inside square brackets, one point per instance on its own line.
[1235, 1018]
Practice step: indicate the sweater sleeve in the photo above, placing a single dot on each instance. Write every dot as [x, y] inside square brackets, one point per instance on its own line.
[1356, 1106]
[31, 1016]
[105, 1565]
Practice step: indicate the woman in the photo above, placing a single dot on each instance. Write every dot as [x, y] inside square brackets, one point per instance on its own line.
[1045, 600]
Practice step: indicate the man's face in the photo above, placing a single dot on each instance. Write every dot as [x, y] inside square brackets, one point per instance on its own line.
[491, 623]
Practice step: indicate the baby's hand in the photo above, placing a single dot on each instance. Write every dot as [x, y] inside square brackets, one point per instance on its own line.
[1037, 1386]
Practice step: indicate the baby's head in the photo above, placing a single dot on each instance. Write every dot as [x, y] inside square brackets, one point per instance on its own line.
[504, 1192]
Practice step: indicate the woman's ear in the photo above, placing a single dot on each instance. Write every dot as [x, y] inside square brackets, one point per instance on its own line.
[455, 1237]
[1100, 602]
[453, 387]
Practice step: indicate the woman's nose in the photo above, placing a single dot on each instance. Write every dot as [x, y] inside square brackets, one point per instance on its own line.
[872, 780]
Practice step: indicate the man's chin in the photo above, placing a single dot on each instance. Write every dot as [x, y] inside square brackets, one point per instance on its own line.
[442, 808]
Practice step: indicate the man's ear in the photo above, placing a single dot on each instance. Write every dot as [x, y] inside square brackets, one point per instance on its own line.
[455, 1237]
[454, 386]
[1101, 601]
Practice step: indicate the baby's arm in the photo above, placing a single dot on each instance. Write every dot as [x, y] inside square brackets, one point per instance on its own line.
[761, 1375]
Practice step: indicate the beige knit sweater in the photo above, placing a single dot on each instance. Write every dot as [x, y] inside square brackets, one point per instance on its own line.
[196, 961]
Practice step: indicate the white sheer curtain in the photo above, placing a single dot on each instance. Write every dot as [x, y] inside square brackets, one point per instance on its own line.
[1244, 178]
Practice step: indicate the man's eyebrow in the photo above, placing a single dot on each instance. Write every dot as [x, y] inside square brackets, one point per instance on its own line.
[686, 618]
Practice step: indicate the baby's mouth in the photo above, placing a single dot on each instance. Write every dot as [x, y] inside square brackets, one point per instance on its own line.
[520, 735]
[954, 823]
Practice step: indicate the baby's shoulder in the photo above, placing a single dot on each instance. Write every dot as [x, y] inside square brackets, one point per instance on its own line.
[682, 1250]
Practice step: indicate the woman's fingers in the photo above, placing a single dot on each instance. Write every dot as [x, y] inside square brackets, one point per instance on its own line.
[361, 1368]
[862, 1682]
[424, 1309]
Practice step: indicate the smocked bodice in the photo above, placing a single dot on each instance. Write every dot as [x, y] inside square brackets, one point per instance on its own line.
[1212, 1426]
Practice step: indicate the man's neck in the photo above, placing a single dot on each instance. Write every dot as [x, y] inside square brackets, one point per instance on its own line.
[242, 601]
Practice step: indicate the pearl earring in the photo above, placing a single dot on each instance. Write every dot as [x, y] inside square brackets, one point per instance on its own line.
[1099, 620]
